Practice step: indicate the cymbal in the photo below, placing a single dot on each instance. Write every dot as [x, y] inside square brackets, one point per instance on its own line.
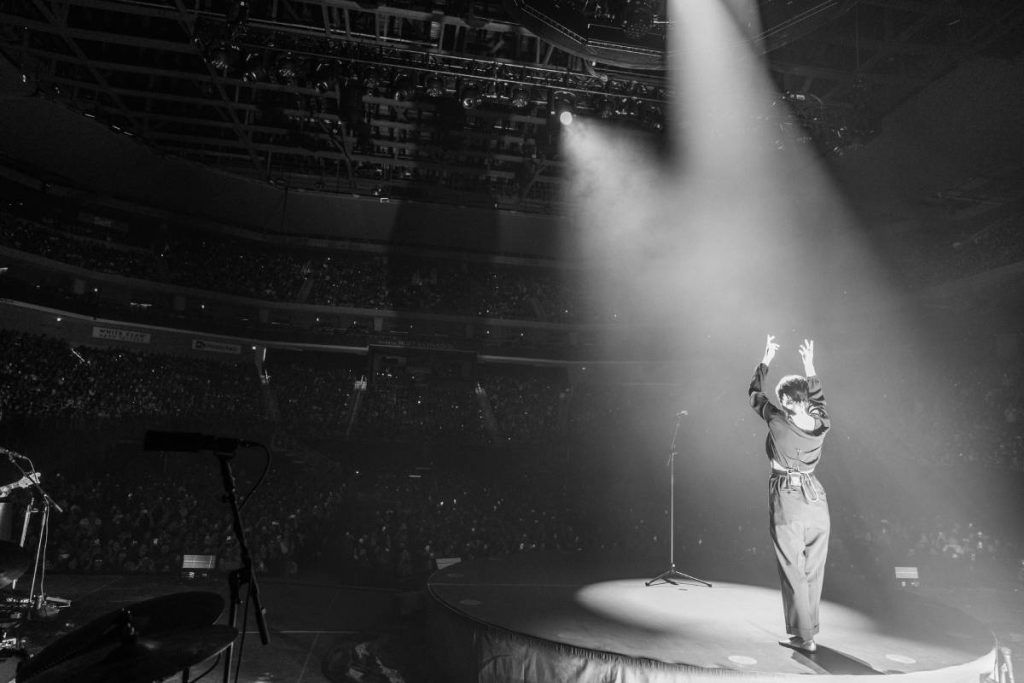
[167, 613]
[142, 660]
[14, 561]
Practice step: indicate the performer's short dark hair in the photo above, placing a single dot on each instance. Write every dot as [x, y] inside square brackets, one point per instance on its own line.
[793, 386]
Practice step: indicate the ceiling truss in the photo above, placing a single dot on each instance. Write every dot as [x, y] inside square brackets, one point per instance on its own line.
[450, 105]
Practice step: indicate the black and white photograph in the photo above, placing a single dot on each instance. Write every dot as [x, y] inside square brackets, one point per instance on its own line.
[511, 341]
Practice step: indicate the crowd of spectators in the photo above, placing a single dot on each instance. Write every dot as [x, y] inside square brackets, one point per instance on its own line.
[44, 239]
[391, 523]
[314, 394]
[936, 254]
[968, 415]
[402, 522]
[530, 406]
[370, 527]
[941, 546]
[293, 272]
[391, 520]
[409, 280]
[991, 399]
[132, 518]
[404, 406]
[45, 377]
[217, 265]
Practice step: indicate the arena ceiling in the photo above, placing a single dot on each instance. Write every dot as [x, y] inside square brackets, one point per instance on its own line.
[452, 102]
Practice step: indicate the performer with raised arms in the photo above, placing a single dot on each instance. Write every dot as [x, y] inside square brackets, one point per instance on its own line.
[797, 504]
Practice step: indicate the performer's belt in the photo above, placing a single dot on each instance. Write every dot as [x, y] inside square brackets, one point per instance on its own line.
[795, 480]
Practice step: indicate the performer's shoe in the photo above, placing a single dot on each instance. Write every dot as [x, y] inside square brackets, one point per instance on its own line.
[798, 643]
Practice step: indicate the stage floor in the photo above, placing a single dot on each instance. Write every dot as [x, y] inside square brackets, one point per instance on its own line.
[607, 610]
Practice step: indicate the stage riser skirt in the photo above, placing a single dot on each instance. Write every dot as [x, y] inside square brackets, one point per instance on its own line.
[547, 618]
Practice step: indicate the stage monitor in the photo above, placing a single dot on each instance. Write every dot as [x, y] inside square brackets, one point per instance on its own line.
[197, 566]
[445, 562]
[907, 577]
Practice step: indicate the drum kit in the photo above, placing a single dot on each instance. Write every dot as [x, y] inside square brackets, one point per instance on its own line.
[144, 642]
[147, 641]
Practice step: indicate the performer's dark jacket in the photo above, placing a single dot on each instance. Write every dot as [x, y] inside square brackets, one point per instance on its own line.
[789, 447]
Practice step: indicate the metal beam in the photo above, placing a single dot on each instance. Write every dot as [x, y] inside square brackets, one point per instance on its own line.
[188, 24]
[61, 28]
[543, 77]
[97, 36]
[385, 161]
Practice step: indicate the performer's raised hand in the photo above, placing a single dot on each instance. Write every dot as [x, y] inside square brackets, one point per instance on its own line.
[807, 356]
[770, 347]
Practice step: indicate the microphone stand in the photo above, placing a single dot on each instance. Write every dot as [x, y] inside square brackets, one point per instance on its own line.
[243, 576]
[672, 573]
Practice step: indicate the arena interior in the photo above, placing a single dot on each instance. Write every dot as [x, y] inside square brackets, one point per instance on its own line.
[328, 327]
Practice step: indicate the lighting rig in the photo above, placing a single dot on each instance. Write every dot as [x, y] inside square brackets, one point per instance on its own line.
[452, 102]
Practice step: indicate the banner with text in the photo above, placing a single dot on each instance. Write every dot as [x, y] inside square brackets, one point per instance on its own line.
[215, 347]
[119, 335]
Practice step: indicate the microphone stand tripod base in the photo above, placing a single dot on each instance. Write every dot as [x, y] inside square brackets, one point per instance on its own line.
[673, 573]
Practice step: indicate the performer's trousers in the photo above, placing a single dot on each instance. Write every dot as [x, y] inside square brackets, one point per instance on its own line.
[800, 529]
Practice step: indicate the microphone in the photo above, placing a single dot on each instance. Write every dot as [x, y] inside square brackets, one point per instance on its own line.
[681, 413]
[191, 442]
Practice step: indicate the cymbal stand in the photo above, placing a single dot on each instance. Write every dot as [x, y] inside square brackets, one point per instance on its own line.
[36, 600]
[244, 575]
[672, 573]
[39, 566]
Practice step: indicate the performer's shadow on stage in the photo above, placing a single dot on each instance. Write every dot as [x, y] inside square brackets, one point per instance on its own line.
[828, 661]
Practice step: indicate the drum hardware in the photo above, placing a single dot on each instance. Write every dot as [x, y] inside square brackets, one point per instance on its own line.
[141, 660]
[11, 646]
[244, 576]
[10, 563]
[14, 561]
[147, 641]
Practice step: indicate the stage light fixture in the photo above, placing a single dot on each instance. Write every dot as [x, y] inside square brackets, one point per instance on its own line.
[224, 56]
[323, 75]
[520, 97]
[653, 117]
[371, 80]
[287, 68]
[403, 87]
[434, 86]
[470, 96]
[254, 69]
[563, 106]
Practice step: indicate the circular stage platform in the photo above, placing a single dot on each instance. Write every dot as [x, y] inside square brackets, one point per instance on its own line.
[549, 617]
